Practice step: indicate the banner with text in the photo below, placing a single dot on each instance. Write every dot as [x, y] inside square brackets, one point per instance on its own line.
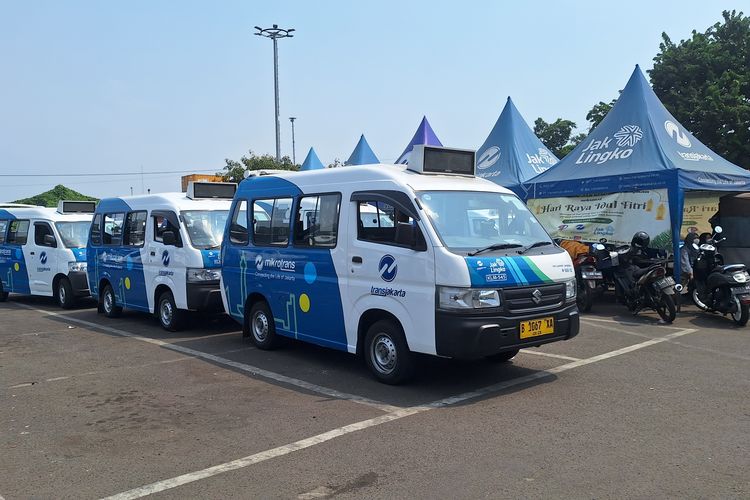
[616, 217]
[698, 208]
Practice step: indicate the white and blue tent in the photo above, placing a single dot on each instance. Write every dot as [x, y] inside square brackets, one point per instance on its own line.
[362, 154]
[512, 154]
[639, 145]
[423, 135]
[312, 162]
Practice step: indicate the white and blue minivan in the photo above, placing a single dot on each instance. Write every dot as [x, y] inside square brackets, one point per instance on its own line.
[43, 250]
[389, 260]
[160, 253]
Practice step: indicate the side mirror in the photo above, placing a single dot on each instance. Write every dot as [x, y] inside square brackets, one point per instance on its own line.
[602, 240]
[169, 238]
[49, 240]
[718, 230]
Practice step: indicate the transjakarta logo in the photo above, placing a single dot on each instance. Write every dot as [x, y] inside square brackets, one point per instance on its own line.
[272, 263]
[43, 257]
[541, 161]
[488, 158]
[165, 257]
[388, 268]
[675, 133]
[599, 152]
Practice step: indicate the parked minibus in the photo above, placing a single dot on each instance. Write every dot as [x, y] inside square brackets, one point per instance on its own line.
[390, 260]
[43, 250]
[160, 253]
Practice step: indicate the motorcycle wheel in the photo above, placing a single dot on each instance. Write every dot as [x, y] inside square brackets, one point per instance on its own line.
[697, 300]
[666, 308]
[742, 314]
[585, 298]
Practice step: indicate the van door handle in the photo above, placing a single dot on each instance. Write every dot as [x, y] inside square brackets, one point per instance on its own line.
[356, 259]
[32, 253]
[153, 254]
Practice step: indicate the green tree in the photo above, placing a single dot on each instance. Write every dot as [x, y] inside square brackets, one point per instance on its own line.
[53, 196]
[704, 81]
[558, 136]
[598, 112]
[234, 170]
[336, 163]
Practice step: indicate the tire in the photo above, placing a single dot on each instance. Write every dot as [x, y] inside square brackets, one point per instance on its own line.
[387, 354]
[3, 294]
[170, 318]
[109, 302]
[585, 298]
[743, 313]
[503, 357]
[666, 308]
[64, 294]
[262, 327]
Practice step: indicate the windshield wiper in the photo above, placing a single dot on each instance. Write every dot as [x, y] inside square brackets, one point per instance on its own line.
[496, 246]
[534, 245]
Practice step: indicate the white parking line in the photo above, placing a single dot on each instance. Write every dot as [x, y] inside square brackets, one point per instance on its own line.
[548, 355]
[263, 456]
[631, 323]
[254, 370]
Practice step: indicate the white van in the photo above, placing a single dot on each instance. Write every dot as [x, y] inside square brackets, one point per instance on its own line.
[160, 253]
[387, 260]
[43, 250]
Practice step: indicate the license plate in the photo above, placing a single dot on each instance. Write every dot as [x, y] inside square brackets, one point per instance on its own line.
[741, 290]
[537, 327]
[665, 282]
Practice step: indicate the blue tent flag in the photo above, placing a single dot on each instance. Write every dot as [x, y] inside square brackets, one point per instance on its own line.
[362, 154]
[312, 162]
[423, 135]
[639, 145]
[512, 153]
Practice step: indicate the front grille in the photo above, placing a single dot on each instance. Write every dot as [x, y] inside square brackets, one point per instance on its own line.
[521, 300]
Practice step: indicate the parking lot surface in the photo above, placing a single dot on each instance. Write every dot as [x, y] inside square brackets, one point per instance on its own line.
[92, 407]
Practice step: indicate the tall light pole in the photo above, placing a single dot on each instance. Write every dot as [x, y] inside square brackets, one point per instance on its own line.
[294, 155]
[274, 33]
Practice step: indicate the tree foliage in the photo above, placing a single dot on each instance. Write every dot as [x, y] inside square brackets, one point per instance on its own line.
[704, 81]
[52, 197]
[558, 136]
[234, 170]
[598, 112]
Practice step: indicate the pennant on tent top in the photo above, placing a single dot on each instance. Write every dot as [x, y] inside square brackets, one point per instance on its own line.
[423, 135]
[362, 154]
[512, 153]
[312, 162]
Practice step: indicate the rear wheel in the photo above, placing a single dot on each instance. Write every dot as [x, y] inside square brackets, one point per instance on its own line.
[171, 318]
[262, 327]
[64, 294]
[585, 297]
[742, 314]
[109, 302]
[666, 308]
[503, 357]
[386, 353]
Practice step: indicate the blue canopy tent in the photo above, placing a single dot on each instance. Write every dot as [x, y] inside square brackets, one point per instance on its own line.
[423, 135]
[512, 153]
[312, 162]
[362, 154]
[639, 145]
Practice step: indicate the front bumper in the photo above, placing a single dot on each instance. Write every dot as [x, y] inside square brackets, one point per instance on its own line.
[204, 297]
[472, 336]
[79, 282]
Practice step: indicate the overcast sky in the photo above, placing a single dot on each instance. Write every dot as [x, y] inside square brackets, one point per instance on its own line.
[152, 86]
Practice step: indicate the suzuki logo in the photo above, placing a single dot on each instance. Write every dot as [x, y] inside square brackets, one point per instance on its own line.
[675, 133]
[165, 257]
[388, 268]
[488, 158]
[43, 257]
[536, 296]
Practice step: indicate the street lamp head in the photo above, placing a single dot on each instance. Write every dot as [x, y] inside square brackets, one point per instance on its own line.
[274, 32]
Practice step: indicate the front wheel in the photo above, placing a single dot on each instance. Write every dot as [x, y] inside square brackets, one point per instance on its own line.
[171, 318]
[3, 293]
[262, 327]
[585, 298]
[666, 308]
[109, 302]
[386, 353]
[742, 314]
[64, 294]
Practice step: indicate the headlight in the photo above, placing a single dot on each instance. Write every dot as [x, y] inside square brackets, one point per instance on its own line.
[740, 277]
[76, 267]
[467, 298]
[200, 275]
[570, 289]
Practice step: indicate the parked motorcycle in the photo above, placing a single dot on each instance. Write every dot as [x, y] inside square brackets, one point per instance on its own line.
[589, 278]
[718, 287]
[640, 282]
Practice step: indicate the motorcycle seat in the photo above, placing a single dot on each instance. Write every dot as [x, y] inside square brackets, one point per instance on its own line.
[643, 270]
[731, 268]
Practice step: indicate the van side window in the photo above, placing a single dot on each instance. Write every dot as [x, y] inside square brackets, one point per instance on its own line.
[317, 221]
[161, 226]
[380, 222]
[135, 229]
[96, 230]
[42, 229]
[18, 232]
[238, 233]
[3, 230]
[275, 231]
[113, 223]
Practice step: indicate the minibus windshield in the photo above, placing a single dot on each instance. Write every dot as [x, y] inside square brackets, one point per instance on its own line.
[73, 234]
[205, 227]
[468, 221]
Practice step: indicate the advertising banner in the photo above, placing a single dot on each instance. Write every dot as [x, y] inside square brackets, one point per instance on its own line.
[616, 217]
[699, 207]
